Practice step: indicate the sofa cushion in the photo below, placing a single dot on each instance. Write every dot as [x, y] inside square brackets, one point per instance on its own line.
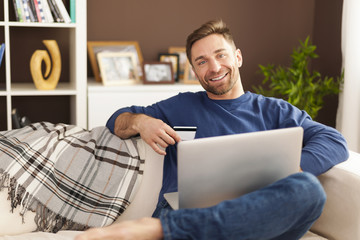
[312, 236]
[340, 218]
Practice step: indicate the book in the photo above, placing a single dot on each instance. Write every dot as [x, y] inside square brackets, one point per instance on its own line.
[33, 10]
[16, 11]
[42, 15]
[37, 10]
[26, 11]
[47, 12]
[19, 10]
[63, 11]
[55, 11]
[2, 51]
[73, 11]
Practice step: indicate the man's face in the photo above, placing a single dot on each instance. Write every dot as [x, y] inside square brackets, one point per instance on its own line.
[216, 64]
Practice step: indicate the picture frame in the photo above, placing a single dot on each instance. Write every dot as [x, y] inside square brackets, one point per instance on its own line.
[118, 68]
[182, 59]
[95, 47]
[158, 73]
[173, 58]
[189, 75]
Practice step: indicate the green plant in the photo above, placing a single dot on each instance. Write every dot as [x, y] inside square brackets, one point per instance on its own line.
[296, 84]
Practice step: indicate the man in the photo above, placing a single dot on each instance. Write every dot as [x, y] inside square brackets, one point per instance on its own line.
[284, 210]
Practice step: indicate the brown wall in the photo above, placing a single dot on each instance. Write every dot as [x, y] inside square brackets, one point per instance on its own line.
[265, 31]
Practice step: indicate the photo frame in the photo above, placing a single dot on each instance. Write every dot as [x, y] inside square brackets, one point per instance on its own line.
[95, 47]
[118, 68]
[189, 75]
[158, 73]
[173, 58]
[182, 59]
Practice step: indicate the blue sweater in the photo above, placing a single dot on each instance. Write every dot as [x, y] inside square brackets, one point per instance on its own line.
[323, 146]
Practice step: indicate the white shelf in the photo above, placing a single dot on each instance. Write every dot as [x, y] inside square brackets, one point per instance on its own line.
[76, 88]
[177, 87]
[103, 101]
[36, 24]
[29, 89]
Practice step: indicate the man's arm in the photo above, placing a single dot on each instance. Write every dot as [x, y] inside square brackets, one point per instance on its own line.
[324, 147]
[153, 131]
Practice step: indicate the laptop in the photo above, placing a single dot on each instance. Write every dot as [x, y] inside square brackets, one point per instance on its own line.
[214, 169]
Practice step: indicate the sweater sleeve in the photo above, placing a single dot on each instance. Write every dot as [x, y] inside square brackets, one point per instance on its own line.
[149, 110]
[110, 124]
[324, 147]
[153, 110]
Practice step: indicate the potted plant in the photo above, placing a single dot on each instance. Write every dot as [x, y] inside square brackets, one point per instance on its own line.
[298, 85]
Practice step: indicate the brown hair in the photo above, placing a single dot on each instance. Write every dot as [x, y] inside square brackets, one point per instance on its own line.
[211, 27]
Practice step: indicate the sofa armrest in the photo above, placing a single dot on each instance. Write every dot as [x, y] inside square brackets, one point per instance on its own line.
[146, 198]
[341, 216]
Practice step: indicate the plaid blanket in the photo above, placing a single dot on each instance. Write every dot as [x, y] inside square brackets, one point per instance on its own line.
[72, 178]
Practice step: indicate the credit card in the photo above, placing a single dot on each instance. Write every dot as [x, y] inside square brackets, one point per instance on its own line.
[186, 132]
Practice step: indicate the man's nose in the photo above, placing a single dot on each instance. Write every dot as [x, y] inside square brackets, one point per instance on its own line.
[214, 66]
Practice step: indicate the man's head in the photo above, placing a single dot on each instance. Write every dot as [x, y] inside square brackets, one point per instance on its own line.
[215, 60]
[211, 27]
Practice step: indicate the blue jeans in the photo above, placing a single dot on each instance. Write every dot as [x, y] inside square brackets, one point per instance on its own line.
[285, 210]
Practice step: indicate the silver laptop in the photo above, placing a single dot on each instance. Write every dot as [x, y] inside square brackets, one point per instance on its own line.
[211, 170]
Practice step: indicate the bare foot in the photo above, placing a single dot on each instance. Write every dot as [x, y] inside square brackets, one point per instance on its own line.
[144, 229]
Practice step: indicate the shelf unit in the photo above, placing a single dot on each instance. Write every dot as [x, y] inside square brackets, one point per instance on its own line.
[17, 89]
[103, 101]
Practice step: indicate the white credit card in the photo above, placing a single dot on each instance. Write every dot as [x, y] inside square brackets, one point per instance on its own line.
[185, 132]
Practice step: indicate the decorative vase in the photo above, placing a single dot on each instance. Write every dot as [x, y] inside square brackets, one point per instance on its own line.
[46, 82]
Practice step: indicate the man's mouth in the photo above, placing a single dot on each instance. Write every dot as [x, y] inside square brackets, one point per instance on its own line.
[218, 78]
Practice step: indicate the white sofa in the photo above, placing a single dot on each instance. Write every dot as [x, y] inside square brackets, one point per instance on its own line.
[340, 219]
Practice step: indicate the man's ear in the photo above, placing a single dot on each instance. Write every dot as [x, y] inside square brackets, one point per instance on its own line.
[239, 58]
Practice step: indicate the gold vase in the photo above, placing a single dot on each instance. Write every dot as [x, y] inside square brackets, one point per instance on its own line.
[46, 82]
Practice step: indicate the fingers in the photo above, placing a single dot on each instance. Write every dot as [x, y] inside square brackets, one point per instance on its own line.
[159, 143]
[157, 134]
[157, 149]
[170, 136]
[173, 134]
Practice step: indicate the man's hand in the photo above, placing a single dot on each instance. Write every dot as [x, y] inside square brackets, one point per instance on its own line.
[143, 229]
[156, 133]
[153, 131]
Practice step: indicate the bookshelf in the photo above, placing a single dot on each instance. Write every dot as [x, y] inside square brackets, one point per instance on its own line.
[68, 101]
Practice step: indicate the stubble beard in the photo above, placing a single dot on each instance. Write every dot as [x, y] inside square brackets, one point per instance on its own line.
[223, 89]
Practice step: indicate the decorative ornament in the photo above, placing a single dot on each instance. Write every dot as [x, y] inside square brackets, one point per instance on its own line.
[46, 82]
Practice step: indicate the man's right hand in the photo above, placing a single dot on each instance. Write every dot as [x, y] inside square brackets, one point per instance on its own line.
[153, 131]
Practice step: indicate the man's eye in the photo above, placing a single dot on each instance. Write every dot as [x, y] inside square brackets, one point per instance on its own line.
[201, 63]
[221, 55]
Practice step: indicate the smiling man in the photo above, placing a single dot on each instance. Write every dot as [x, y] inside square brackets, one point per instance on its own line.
[283, 210]
[216, 64]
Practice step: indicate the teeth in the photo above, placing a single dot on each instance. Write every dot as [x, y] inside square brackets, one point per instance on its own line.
[218, 78]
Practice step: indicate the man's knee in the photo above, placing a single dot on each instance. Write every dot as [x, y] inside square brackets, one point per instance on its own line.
[311, 184]
[310, 192]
